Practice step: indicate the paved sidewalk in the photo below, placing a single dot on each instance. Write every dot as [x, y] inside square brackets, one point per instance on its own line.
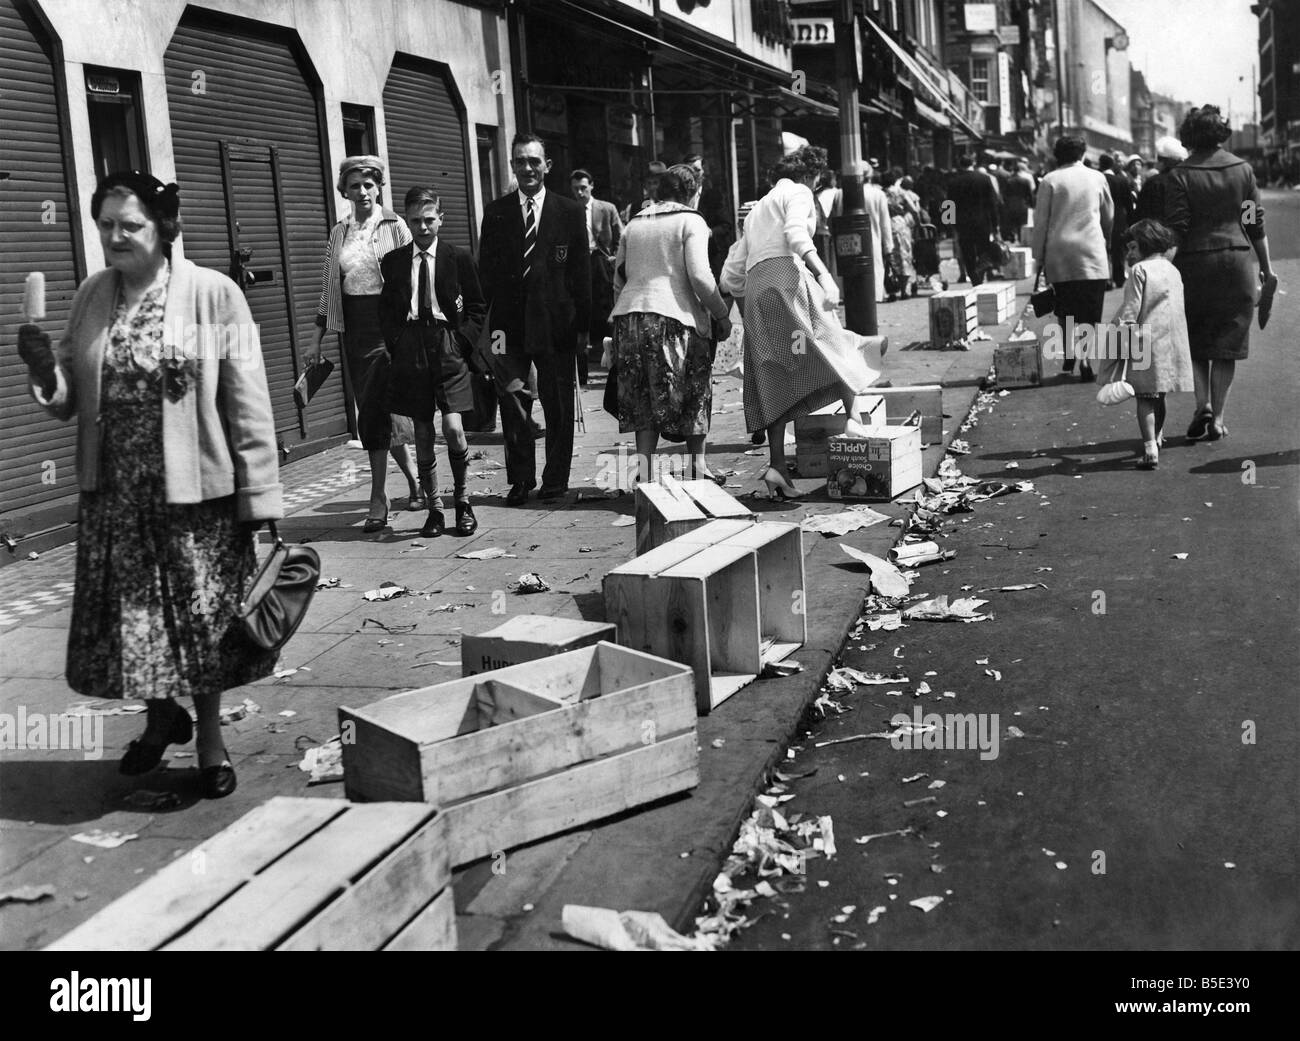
[350, 651]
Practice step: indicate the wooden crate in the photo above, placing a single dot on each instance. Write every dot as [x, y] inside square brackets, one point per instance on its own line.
[1018, 363]
[995, 302]
[520, 753]
[1026, 234]
[882, 466]
[694, 603]
[527, 637]
[667, 508]
[292, 875]
[901, 403]
[952, 316]
[812, 430]
[1021, 265]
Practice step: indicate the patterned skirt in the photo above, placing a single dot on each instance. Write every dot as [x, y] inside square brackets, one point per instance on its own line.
[797, 355]
[158, 585]
[664, 376]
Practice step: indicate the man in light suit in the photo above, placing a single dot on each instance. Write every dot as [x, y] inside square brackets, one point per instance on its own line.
[535, 267]
[603, 231]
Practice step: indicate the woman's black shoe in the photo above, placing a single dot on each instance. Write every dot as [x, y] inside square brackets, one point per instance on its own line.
[1086, 375]
[758, 437]
[141, 756]
[216, 782]
[1067, 365]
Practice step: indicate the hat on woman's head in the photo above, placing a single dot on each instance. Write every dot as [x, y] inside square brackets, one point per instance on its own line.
[1170, 148]
[361, 162]
[161, 200]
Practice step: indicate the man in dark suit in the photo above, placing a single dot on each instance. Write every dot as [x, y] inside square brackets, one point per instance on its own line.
[1121, 192]
[975, 215]
[431, 312]
[603, 231]
[536, 270]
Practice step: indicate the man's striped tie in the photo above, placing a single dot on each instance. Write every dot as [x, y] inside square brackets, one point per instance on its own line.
[530, 236]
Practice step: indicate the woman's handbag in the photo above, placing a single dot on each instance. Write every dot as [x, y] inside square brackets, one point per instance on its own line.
[1043, 300]
[280, 593]
[1119, 390]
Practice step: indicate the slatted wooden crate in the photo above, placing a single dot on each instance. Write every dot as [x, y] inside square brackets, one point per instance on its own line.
[994, 302]
[952, 316]
[881, 466]
[527, 637]
[292, 875]
[902, 403]
[812, 430]
[1018, 363]
[1021, 265]
[667, 508]
[516, 754]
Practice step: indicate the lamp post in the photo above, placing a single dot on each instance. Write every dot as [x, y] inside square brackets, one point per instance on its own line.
[852, 230]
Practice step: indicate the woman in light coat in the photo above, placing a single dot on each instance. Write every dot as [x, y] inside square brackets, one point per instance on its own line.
[176, 461]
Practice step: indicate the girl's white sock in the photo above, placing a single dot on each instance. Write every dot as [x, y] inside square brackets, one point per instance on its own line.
[1150, 447]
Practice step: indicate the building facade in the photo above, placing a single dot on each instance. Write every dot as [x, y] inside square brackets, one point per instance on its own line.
[1279, 81]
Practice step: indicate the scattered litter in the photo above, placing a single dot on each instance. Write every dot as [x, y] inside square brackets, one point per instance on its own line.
[1227, 863]
[919, 802]
[774, 669]
[415, 547]
[926, 903]
[995, 673]
[143, 799]
[921, 689]
[981, 661]
[27, 894]
[447, 607]
[331, 583]
[323, 762]
[844, 914]
[1022, 587]
[584, 549]
[627, 930]
[886, 579]
[832, 524]
[1180, 556]
[1061, 865]
[1015, 732]
[385, 626]
[938, 609]
[103, 839]
[282, 674]
[917, 554]
[937, 869]
[718, 742]
[873, 916]
[237, 712]
[623, 522]
[941, 813]
[530, 583]
[914, 777]
[123, 708]
[485, 554]
[386, 591]
[444, 664]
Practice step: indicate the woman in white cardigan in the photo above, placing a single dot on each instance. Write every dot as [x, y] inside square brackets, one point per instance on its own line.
[161, 365]
[667, 312]
[798, 357]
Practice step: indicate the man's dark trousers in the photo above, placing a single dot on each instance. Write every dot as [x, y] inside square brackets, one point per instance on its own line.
[555, 391]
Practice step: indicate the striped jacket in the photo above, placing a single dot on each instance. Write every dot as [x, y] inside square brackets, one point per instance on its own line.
[390, 234]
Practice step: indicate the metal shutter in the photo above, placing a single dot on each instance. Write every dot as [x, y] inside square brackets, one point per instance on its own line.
[426, 143]
[254, 90]
[31, 153]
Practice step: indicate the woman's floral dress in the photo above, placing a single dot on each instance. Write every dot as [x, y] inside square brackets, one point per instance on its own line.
[158, 585]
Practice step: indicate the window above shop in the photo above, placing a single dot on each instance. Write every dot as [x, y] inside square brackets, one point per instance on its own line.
[979, 78]
[358, 129]
[116, 121]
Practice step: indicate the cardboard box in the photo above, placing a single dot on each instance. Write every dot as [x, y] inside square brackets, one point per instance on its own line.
[294, 875]
[812, 430]
[952, 316]
[903, 402]
[527, 637]
[516, 754]
[995, 302]
[1021, 265]
[1018, 363]
[882, 466]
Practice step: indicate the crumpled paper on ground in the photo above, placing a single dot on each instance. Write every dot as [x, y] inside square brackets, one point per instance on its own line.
[26, 894]
[832, 524]
[627, 930]
[103, 839]
[938, 609]
[886, 579]
[323, 762]
[386, 591]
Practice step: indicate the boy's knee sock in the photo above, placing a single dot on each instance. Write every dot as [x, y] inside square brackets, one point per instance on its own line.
[459, 464]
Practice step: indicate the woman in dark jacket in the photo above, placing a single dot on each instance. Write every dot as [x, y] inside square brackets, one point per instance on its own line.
[1212, 202]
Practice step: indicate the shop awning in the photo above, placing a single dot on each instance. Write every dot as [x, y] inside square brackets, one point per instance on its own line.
[923, 78]
[934, 115]
[802, 104]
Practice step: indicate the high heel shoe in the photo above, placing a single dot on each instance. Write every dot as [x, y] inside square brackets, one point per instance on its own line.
[779, 487]
[1216, 431]
[141, 756]
[1149, 460]
[374, 524]
[216, 782]
[1200, 425]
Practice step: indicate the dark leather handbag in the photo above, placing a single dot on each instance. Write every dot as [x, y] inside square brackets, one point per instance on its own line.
[1043, 300]
[279, 594]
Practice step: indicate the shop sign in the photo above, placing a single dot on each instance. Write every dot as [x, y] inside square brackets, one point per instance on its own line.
[813, 32]
[621, 123]
[550, 113]
[981, 18]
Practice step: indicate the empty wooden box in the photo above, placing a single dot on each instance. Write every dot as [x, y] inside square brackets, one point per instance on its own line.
[881, 466]
[1018, 363]
[527, 637]
[994, 302]
[812, 430]
[1021, 265]
[901, 403]
[667, 508]
[294, 875]
[952, 316]
[725, 599]
[516, 754]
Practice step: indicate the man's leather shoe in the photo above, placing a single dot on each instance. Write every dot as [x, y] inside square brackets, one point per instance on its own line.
[549, 494]
[434, 525]
[518, 494]
[466, 522]
[538, 431]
